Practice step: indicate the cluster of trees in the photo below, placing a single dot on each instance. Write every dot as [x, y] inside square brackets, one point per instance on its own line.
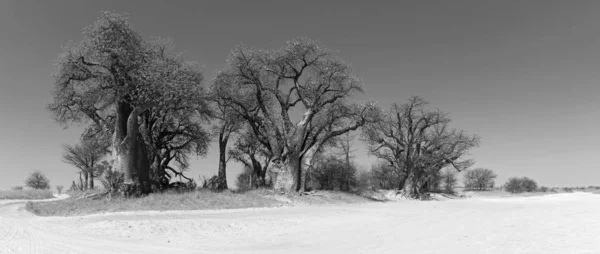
[286, 109]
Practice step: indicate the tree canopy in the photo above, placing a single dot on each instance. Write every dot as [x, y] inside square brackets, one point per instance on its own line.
[121, 83]
[417, 143]
[265, 87]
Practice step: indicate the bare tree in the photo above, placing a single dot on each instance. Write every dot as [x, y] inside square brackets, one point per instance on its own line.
[265, 87]
[37, 180]
[417, 143]
[479, 179]
[86, 157]
[112, 77]
[228, 123]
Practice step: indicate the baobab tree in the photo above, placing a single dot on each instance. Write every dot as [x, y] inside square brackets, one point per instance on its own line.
[175, 131]
[417, 143]
[112, 77]
[265, 88]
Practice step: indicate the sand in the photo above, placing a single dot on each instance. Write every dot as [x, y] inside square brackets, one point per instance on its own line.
[557, 223]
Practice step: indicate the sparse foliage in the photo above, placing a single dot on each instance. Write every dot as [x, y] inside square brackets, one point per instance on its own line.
[449, 181]
[37, 180]
[479, 179]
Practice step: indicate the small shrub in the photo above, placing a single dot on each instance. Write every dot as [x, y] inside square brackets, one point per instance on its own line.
[544, 189]
[59, 189]
[17, 188]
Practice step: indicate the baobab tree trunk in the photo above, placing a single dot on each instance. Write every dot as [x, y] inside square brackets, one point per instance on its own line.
[292, 173]
[129, 151]
[288, 175]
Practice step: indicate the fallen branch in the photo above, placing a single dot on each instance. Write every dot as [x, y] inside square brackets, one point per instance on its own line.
[310, 193]
[94, 195]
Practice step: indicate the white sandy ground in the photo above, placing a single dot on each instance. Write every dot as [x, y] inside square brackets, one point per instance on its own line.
[559, 223]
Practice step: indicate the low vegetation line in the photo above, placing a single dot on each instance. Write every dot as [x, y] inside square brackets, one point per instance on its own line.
[26, 194]
[195, 200]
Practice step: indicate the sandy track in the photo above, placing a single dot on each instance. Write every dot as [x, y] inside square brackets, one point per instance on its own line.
[561, 223]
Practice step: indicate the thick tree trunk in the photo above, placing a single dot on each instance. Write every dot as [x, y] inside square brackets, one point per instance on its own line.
[129, 151]
[222, 174]
[288, 177]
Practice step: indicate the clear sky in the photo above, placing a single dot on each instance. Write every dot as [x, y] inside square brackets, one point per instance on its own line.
[521, 74]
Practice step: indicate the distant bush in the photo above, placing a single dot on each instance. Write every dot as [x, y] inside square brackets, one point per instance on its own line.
[544, 189]
[59, 189]
[520, 184]
[37, 180]
[17, 188]
[479, 179]
[528, 184]
[568, 189]
[513, 185]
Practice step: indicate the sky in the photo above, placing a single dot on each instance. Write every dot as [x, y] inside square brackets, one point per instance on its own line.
[523, 75]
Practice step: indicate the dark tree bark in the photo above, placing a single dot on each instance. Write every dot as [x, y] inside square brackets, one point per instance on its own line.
[222, 174]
